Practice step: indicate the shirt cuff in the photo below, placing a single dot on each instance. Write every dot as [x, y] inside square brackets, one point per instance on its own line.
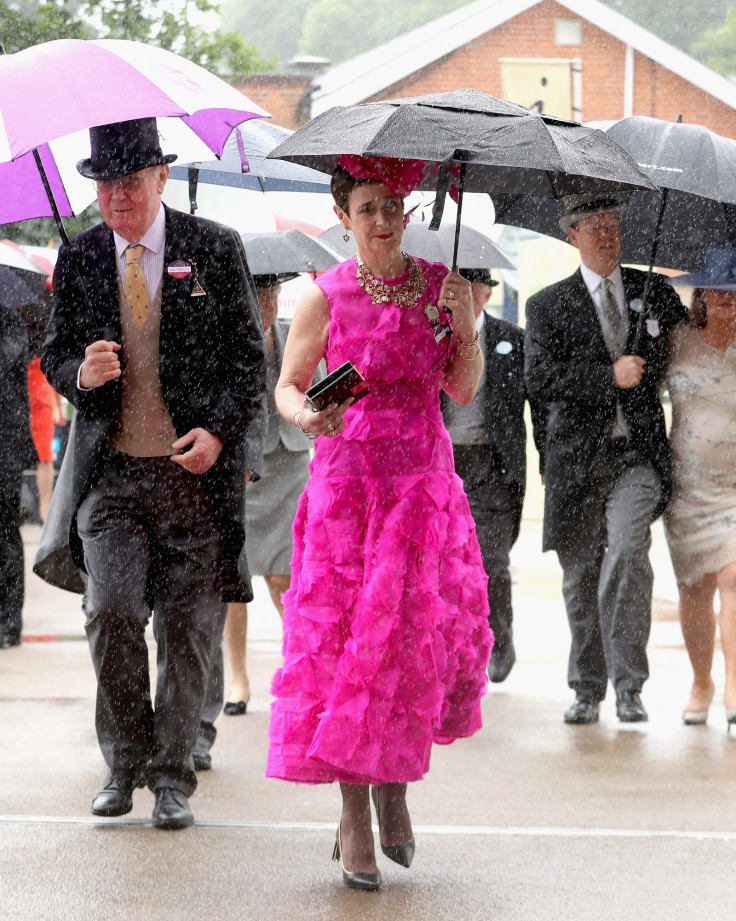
[79, 385]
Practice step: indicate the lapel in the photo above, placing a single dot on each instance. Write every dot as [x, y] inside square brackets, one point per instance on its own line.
[492, 335]
[102, 285]
[175, 292]
[634, 289]
[584, 314]
[280, 331]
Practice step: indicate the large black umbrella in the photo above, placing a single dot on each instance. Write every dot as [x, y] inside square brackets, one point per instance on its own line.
[243, 165]
[286, 252]
[476, 250]
[697, 170]
[486, 144]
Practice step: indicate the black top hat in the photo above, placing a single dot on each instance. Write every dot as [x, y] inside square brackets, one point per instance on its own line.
[479, 276]
[270, 281]
[123, 148]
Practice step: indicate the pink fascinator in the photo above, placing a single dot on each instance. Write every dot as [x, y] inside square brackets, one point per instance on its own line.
[401, 176]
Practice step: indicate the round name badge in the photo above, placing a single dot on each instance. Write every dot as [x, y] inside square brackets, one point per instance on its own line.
[504, 347]
[179, 269]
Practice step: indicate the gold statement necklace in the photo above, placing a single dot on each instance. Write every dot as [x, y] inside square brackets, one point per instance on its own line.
[406, 294]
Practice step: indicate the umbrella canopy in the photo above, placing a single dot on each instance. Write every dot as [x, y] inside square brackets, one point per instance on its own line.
[21, 281]
[697, 168]
[283, 253]
[491, 144]
[244, 165]
[67, 85]
[503, 146]
[54, 92]
[476, 250]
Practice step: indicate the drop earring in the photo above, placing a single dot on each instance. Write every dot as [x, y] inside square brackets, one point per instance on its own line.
[346, 236]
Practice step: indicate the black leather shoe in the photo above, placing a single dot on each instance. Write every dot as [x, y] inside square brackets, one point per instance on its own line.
[116, 795]
[202, 761]
[235, 708]
[171, 810]
[368, 882]
[402, 854]
[502, 661]
[9, 638]
[629, 707]
[584, 710]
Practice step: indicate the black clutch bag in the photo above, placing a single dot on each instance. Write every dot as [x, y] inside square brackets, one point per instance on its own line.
[345, 381]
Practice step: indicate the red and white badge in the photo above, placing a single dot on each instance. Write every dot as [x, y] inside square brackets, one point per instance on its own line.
[179, 269]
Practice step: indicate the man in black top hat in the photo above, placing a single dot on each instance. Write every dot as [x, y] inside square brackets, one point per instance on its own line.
[489, 444]
[155, 338]
[603, 451]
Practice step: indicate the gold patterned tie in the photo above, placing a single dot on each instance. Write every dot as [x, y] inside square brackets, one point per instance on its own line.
[136, 289]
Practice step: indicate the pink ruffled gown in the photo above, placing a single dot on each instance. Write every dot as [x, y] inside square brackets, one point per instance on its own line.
[386, 636]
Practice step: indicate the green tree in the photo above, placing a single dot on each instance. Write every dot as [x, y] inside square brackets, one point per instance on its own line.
[274, 25]
[682, 24]
[339, 30]
[717, 48]
[157, 22]
[21, 27]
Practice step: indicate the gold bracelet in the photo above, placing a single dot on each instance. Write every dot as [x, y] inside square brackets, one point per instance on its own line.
[298, 423]
[470, 357]
[469, 345]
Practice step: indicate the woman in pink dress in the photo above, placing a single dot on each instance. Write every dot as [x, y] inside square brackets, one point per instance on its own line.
[386, 636]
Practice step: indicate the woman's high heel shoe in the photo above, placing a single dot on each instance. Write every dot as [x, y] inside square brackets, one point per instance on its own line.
[368, 882]
[730, 719]
[698, 717]
[403, 854]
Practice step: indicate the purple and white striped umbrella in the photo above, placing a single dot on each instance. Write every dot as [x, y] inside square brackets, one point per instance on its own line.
[50, 94]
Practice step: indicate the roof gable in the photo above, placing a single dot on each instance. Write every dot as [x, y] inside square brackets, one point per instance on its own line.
[367, 74]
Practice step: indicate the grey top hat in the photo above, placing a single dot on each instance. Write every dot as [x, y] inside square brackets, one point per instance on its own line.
[580, 206]
[718, 271]
[122, 148]
[480, 276]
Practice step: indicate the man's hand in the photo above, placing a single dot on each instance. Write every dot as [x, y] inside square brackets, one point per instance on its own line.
[202, 455]
[101, 364]
[628, 371]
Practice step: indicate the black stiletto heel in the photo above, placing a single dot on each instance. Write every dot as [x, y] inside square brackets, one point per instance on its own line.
[368, 882]
[403, 854]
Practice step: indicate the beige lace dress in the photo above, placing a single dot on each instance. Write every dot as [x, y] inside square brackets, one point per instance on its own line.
[701, 519]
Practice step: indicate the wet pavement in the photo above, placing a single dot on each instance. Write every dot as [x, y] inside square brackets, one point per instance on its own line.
[530, 819]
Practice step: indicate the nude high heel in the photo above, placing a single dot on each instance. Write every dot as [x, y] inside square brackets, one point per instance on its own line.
[698, 717]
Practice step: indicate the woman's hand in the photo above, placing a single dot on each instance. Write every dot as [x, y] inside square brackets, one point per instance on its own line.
[328, 421]
[456, 294]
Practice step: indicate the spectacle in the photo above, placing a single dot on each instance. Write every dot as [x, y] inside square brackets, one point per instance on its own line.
[125, 184]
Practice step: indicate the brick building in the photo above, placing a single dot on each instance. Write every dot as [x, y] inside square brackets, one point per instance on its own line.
[573, 58]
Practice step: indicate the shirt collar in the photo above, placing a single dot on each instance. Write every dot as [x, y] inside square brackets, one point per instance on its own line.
[593, 280]
[152, 239]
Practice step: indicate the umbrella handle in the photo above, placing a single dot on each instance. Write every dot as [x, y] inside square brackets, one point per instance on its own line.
[62, 230]
[652, 263]
[193, 184]
[458, 219]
